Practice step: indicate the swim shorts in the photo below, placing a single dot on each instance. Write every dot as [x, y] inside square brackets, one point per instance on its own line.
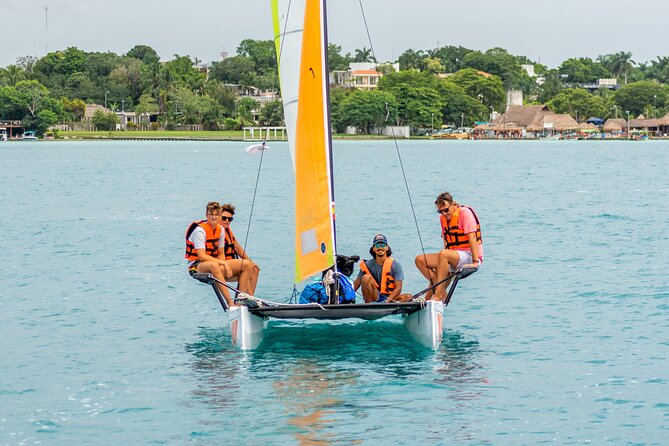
[192, 268]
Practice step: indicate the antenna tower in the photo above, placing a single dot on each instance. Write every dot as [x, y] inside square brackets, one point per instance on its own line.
[46, 28]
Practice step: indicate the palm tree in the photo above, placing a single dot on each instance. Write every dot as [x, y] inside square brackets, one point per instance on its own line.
[364, 55]
[14, 74]
[622, 64]
[166, 84]
[412, 59]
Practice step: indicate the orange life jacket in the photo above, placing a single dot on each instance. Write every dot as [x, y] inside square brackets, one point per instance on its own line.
[454, 237]
[212, 237]
[387, 281]
[229, 249]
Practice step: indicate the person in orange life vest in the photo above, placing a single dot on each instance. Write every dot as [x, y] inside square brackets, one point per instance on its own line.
[381, 277]
[463, 244]
[243, 269]
[204, 243]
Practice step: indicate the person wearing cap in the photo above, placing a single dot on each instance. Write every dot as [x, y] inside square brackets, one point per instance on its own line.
[381, 277]
[463, 245]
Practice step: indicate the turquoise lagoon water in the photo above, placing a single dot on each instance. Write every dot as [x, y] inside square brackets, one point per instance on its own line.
[561, 337]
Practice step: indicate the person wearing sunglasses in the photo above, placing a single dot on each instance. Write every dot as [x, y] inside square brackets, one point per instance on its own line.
[204, 248]
[243, 269]
[463, 244]
[381, 277]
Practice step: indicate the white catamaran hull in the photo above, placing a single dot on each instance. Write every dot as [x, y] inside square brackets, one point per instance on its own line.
[426, 325]
[246, 330]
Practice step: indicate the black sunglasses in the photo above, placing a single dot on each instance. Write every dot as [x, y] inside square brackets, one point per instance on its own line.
[444, 211]
[227, 218]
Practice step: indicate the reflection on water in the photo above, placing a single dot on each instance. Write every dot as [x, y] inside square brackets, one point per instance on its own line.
[216, 373]
[339, 383]
[311, 398]
[458, 370]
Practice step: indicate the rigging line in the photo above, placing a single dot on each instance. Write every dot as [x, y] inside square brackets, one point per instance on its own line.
[369, 37]
[328, 130]
[406, 185]
[399, 156]
[253, 202]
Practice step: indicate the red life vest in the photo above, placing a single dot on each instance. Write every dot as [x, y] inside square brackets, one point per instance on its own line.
[454, 237]
[387, 281]
[212, 237]
[229, 249]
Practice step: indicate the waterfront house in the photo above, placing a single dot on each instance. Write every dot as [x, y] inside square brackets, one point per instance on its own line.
[361, 75]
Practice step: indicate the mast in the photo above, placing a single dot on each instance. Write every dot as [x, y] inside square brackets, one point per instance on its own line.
[334, 289]
[328, 130]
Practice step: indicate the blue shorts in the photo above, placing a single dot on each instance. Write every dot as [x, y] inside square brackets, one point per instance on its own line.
[382, 298]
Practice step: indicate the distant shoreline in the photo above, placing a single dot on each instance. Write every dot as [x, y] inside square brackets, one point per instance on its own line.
[237, 136]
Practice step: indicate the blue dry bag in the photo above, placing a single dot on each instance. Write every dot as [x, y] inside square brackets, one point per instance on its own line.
[314, 292]
[346, 293]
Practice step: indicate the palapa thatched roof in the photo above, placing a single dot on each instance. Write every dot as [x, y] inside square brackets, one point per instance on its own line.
[91, 109]
[587, 126]
[553, 121]
[506, 127]
[563, 122]
[640, 123]
[483, 127]
[614, 125]
[522, 115]
[664, 120]
[536, 118]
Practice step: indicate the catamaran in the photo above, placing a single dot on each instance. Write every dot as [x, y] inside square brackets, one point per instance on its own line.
[300, 32]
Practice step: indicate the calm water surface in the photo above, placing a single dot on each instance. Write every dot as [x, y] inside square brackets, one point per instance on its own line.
[560, 338]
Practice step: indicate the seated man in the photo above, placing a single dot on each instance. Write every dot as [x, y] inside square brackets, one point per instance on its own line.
[381, 277]
[204, 248]
[463, 245]
[242, 268]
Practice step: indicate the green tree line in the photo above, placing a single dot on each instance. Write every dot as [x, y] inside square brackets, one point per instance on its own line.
[445, 85]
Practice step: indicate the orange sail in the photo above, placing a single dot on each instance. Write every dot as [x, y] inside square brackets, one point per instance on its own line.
[314, 207]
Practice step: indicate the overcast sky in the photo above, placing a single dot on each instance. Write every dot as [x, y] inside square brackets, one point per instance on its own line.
[548, 32]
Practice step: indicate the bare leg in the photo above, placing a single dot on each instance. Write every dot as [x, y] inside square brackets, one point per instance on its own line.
[254, 272]
[448, 260]
[245, 273]
[216, 270]
[369, 291]
[404, 297]
[427, 265]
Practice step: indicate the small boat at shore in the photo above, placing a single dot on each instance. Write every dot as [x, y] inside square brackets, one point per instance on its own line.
[29, 136]
[459, 133]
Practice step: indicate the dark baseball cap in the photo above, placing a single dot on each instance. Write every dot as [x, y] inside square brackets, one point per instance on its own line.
[379, 238]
